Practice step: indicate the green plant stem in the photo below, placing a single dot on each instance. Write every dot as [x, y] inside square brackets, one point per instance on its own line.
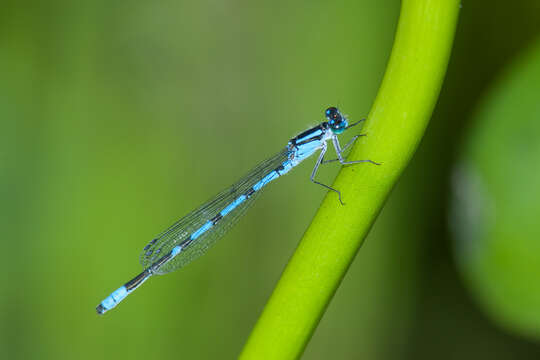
[395, 125]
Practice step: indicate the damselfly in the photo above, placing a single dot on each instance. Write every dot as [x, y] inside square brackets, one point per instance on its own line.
[192, 235]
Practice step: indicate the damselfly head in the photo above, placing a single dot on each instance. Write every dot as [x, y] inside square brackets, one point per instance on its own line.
[338, 122]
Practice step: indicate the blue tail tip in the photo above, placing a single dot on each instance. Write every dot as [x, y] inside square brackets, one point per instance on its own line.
[101, 309]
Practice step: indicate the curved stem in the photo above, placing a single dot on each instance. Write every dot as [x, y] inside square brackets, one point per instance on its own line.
[395, 125]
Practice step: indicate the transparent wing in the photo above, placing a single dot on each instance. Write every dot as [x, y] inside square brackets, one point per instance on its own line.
[184, 227]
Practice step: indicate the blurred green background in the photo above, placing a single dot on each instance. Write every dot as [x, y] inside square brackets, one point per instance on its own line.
[117, 118]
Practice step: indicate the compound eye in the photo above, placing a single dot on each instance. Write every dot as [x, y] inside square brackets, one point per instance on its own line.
[336, 121]
[332, 114]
